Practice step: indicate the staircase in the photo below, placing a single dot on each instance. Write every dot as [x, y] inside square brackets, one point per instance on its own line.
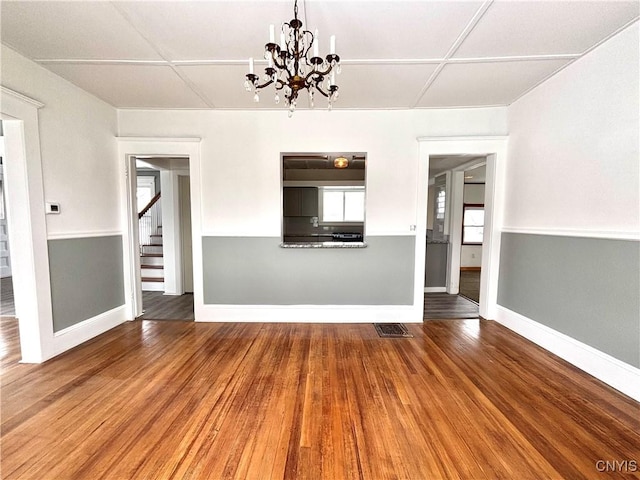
[152, 263]
[151, 257]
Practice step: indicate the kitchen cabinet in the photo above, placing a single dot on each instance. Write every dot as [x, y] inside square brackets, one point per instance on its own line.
[300, 201]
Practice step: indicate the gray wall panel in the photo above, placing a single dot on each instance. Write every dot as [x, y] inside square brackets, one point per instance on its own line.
[86, 278]
[587, 288]
[257, 271]
[435, 273]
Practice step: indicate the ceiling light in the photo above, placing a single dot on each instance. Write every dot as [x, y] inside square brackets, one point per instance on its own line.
[340, 162]
[292, 67]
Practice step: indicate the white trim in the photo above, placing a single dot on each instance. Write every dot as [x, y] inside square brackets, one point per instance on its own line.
[160, 140]
[634, 236]
[435, 289]
[27, 225]
[128, 148]
[495, 150]
[69, 235]
[81, 332]
[486, 138]
[604, 367]
[308, 313]
[21, 97]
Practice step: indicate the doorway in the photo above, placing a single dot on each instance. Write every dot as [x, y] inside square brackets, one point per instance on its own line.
[463, 154]
[164, 252]
[7, 303]
[164, 224]
[472, 232]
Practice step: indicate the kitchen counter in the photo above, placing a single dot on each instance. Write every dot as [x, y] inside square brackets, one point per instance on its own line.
[323, 245]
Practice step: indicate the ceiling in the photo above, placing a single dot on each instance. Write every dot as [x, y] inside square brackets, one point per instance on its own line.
[395, 54]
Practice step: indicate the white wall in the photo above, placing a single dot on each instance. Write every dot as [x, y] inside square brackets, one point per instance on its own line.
[241, 157]
[573, 146]
[79, 164]
[68, 154]
[574, 170]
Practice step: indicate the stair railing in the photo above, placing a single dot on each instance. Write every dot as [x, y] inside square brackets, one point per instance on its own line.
[149, 219]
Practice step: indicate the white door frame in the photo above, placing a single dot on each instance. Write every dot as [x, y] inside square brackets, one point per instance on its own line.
[28, 235]
[128, 149]
[495, 149]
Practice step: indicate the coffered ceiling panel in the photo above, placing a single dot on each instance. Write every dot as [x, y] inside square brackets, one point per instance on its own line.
[498, 83]
[381, 86]
[71, 30]
[391, 29]
[223, 86]
[136, 86]
[199, 30]
[541, 28]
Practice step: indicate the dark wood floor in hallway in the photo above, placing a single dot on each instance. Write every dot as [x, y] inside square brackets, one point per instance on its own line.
[441, 306]
[182, 400]
[158, 306]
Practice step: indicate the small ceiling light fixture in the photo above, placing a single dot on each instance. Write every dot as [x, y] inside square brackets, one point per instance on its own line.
[291, 68]
[340, 162]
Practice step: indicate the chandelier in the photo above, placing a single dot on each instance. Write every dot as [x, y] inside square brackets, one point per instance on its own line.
[291, 68]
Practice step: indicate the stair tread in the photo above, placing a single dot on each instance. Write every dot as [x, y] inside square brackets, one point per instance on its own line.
[152, 279]
[156, 267]
[151, 255]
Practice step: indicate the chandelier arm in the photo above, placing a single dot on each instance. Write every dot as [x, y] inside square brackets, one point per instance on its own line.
[318, 72]
[266, 84]
[306, 51]
[318, 88]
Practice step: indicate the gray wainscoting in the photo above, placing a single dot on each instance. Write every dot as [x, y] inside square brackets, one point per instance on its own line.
[86, 278]
[586, 288]
[435, 272]
[256, 271]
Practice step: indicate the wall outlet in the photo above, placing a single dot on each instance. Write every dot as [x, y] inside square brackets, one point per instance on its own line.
[52, 207]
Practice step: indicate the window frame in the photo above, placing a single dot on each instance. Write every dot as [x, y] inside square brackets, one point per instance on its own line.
[464, 210]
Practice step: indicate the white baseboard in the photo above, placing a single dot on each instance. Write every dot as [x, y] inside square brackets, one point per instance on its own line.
[604, 367]
[309, 313]
[81, 332]
[435, 289]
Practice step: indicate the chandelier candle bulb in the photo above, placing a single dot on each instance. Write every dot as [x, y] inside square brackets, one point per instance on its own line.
[283, 44]
[315, 44]
[272, 33]
[332, 44]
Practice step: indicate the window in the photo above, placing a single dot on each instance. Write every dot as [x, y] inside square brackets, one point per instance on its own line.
[342, 204]
[472, 224]
[440, 204]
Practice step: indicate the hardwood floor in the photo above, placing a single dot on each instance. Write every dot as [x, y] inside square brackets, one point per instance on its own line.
[470, 284]
[158, 306]
[440, 306]
[7, 306]
[175, 400]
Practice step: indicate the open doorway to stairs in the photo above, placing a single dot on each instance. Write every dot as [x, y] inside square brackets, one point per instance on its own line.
[163, 210]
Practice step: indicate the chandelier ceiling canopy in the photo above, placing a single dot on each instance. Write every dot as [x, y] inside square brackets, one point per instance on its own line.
[295, 64]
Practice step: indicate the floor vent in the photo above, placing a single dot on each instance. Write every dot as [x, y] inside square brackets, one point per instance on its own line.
[392, 330]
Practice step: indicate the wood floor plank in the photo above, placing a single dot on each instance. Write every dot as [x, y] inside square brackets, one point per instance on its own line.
[461, 399]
